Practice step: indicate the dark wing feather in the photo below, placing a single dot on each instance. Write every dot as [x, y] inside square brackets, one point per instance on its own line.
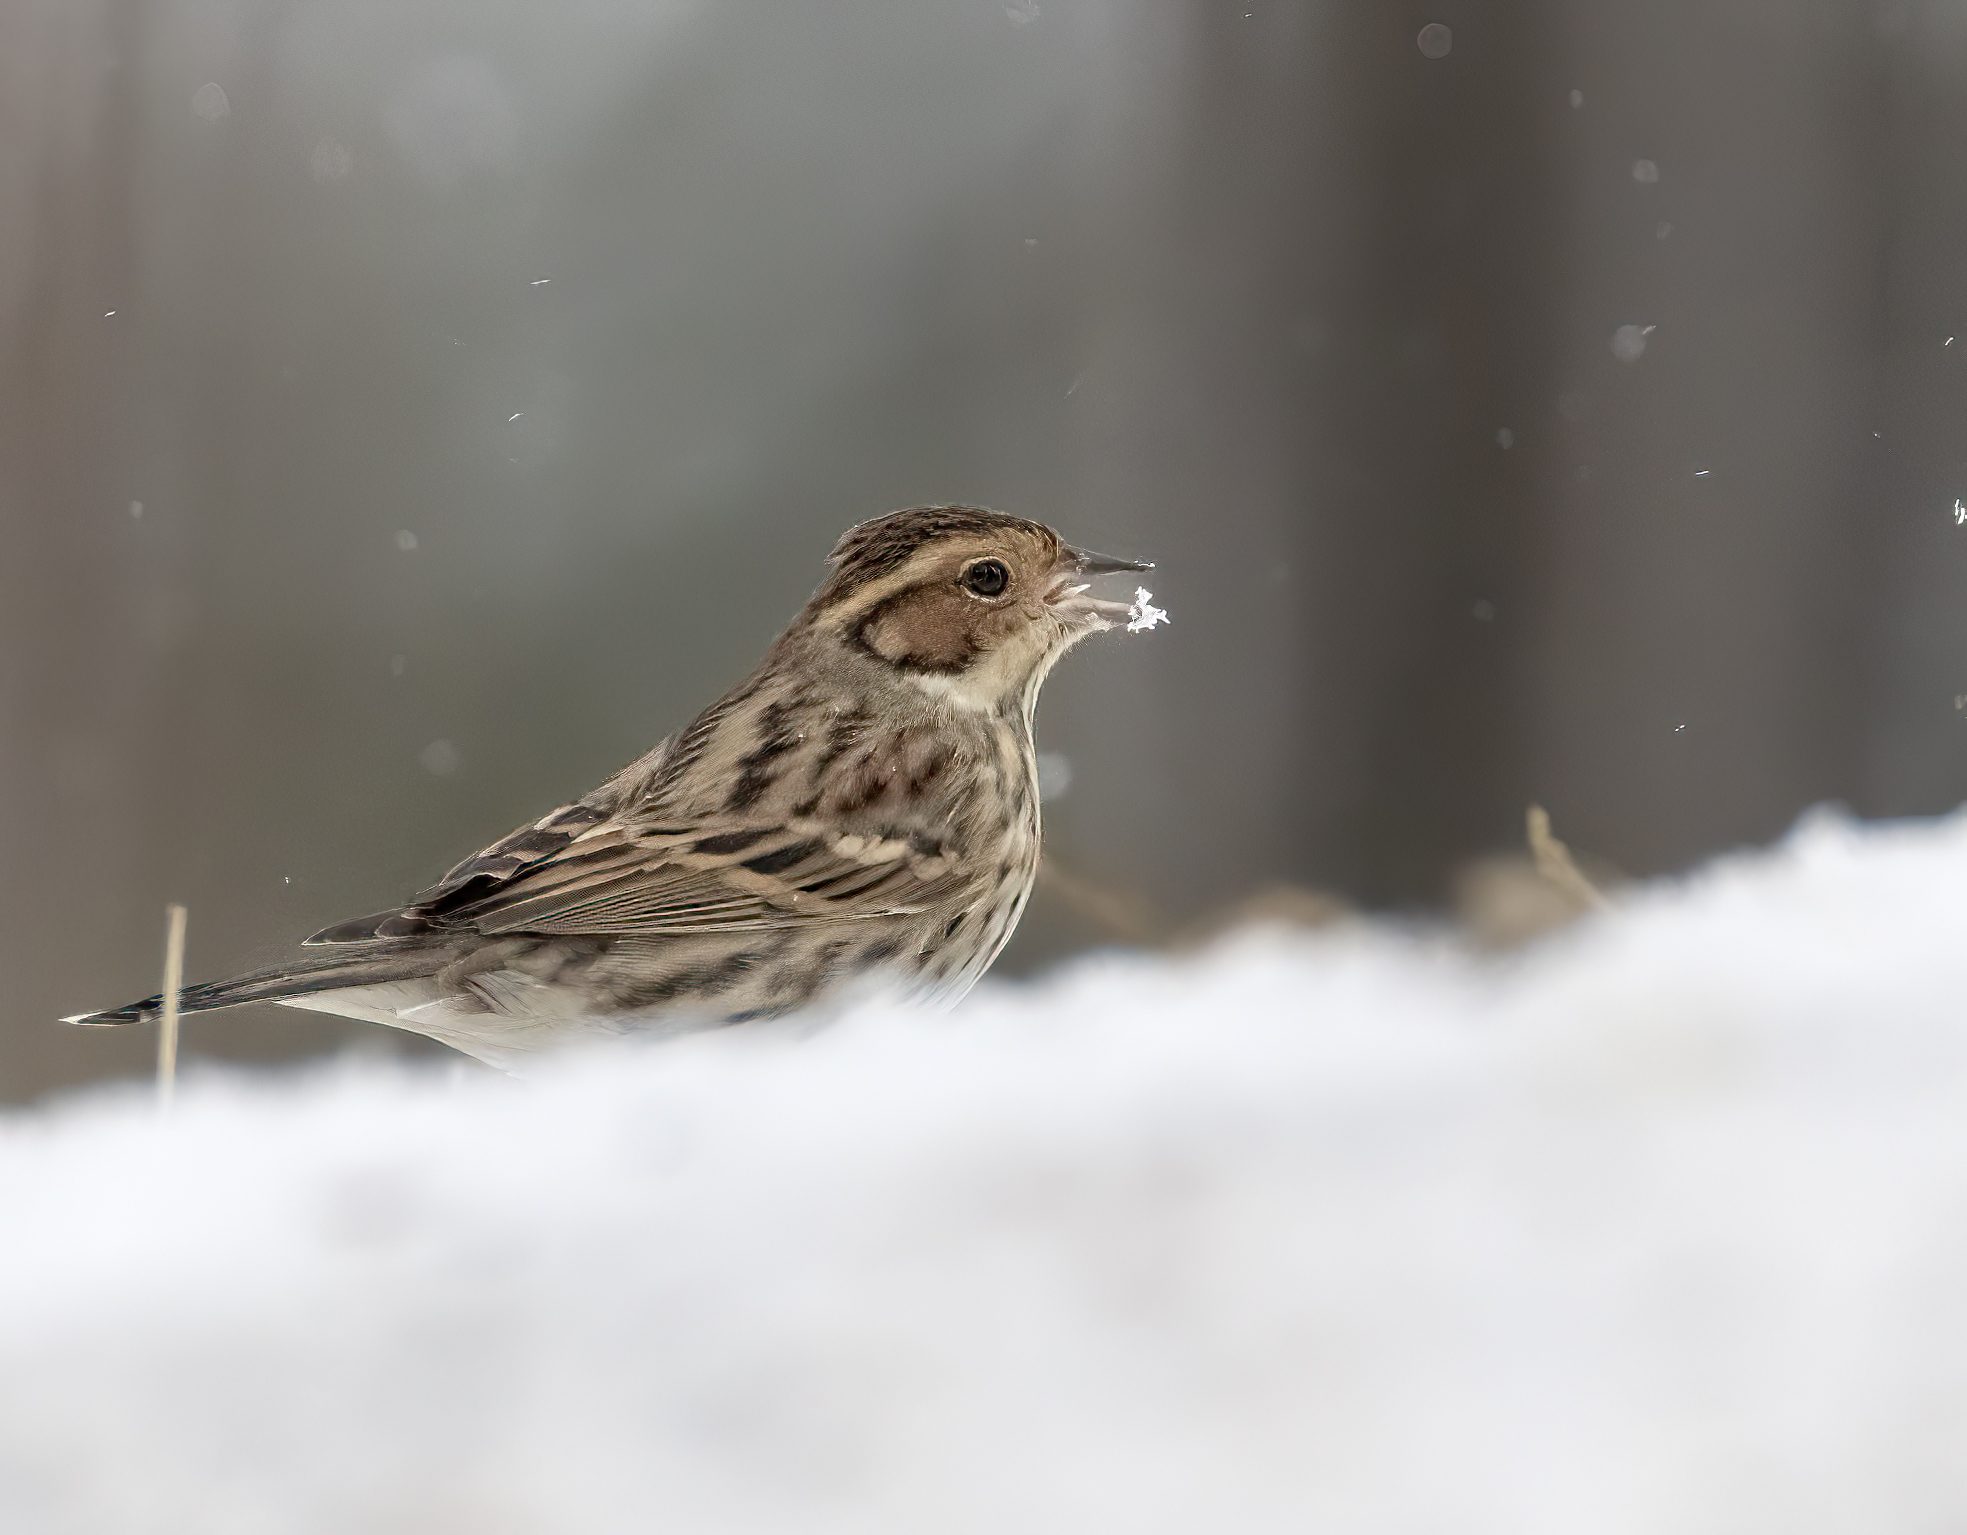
[577, 871]
[666, 884]
[485, 870]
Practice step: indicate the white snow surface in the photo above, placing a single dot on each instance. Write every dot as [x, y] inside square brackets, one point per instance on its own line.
[1658, 1226]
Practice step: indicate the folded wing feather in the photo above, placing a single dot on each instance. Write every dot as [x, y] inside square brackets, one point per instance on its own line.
[577, 871]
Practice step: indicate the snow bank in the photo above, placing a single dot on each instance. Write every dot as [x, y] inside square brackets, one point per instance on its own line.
[1661, 1226]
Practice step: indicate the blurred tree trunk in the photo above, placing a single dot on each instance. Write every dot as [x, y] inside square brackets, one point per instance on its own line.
[1453, 552]
[78, 696]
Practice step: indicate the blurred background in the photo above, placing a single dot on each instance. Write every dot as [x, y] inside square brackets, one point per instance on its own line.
[410, 412]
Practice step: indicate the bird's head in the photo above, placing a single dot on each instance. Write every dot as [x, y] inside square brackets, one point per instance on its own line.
[973, 606]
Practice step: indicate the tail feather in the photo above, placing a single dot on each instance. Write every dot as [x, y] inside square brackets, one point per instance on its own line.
[405, 964]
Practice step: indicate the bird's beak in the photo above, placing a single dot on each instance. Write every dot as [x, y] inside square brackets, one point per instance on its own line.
[1071, 597]
[1083, 562]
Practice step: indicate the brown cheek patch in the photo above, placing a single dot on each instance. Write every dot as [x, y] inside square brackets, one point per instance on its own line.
[930, 629]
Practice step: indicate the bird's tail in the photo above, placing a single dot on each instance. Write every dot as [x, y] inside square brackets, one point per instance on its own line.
[328, 974]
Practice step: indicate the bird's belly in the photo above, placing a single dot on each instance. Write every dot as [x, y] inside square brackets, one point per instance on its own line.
[503, 1017]
[502, 1037]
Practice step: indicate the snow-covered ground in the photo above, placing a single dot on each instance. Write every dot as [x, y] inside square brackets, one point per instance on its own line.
[1660, 1226]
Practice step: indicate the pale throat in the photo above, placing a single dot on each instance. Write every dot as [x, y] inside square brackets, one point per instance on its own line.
[992, 682]
[958, 691]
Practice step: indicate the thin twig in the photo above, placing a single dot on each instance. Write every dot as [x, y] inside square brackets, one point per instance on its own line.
[1120, 913]
[1554, 861]
[167, 1035]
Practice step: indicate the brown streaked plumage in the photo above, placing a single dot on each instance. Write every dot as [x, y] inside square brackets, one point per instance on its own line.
[863, 806]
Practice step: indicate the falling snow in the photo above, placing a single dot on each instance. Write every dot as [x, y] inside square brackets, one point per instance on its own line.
[1054, 775]
[441, 758]
[330, 162]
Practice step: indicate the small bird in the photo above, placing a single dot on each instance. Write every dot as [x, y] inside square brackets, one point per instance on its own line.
[863, 808]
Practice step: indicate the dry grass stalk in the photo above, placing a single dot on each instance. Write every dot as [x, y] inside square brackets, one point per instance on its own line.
[1554, 861]
[167, 1034]
[1132, 918]
[1118, 913]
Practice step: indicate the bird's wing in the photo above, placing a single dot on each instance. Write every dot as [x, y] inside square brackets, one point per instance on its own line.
[583, 871]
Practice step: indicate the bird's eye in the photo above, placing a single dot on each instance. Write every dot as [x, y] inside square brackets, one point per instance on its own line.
[987, 578]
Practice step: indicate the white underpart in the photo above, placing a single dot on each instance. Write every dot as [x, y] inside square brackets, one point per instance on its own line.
[507, 1020]
[1141, 616]
[1659, 1226]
